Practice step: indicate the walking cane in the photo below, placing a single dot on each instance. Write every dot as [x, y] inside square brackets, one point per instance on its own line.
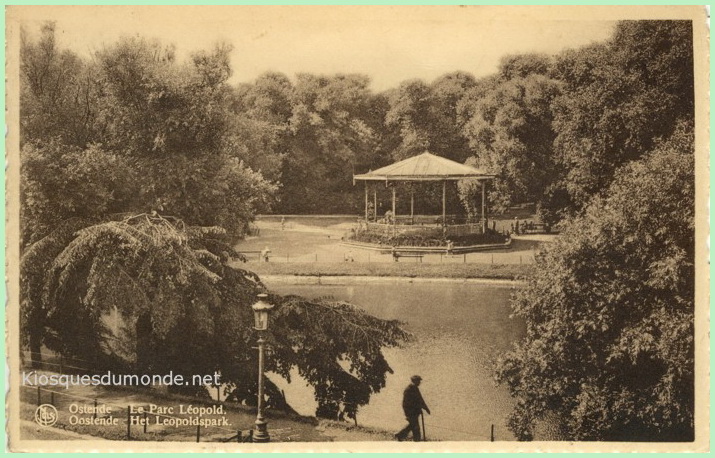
[424, 431]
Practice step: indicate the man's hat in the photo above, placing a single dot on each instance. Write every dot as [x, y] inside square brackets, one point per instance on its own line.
[416, 378]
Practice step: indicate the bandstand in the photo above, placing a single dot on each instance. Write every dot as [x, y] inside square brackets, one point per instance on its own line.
[425, 167]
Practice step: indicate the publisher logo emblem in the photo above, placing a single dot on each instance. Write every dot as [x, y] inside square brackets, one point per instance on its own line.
[46, 415]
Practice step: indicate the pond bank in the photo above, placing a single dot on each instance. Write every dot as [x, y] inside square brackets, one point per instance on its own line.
[460, 271]
[361, 280]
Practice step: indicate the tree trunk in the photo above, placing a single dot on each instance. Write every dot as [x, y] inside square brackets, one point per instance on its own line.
[35, 349]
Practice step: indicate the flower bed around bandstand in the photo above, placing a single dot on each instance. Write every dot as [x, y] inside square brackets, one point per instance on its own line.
[418, 240]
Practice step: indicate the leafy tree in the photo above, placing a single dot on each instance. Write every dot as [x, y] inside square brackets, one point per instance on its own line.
[523, 65]
[469, 193]
[330, 138]
[175, 290]
[410, 113]
[268, 98]
[36, 261]
[387, 137]
[310, 136]
[619, 98]
[445, 130]
[63, 182]
[427, 116]
[422, 117]
[173, 120]
[609, 351]
[207, 191]
[260, 128]
[58, 92]
[510, 131]
[144, 133]
[556, 130]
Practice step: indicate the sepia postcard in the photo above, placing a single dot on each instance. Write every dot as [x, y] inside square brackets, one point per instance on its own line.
[357, 228]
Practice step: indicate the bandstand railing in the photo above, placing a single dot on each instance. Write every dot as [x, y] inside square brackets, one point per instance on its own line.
[434, 228]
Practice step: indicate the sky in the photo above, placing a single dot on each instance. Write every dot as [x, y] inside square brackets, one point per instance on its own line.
[389, 44]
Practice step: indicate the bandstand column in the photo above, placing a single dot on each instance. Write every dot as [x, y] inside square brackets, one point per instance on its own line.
[444, 203]
[374, 201]
[366, 201]
[412, 206]
[394, 215]
[484, 204]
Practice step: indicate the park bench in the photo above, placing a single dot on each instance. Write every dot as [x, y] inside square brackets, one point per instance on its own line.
[257, 253]
[536, 228]
[396, 255]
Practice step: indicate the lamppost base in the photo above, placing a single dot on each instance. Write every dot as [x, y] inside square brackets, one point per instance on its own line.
[260, 434]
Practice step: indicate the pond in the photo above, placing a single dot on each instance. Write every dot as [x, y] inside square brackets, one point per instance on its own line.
[459, 328]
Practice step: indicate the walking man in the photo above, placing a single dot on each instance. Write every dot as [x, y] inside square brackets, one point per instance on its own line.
[412, 404]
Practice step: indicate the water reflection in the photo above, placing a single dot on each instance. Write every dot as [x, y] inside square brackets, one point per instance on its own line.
[458, 328]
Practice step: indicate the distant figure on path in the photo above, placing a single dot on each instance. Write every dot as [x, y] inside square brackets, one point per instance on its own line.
[264, 254]
[450, 247]
[283, 222]
[412, 404]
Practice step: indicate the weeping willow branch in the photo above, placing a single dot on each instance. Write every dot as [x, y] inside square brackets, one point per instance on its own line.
[186, 310]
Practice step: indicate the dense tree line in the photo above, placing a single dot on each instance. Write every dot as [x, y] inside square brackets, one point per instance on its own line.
[554, 129]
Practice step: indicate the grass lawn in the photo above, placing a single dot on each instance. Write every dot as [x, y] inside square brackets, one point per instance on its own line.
[308, 220]
[401, 269]
[312, 249]
[291, 243]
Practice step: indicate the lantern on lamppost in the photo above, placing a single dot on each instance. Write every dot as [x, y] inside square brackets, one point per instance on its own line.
[261, 311]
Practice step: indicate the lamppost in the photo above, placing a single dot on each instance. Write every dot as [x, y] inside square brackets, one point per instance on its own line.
[260, 315]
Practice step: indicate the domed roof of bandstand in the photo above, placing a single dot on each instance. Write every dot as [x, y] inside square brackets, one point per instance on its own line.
[424, 167]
